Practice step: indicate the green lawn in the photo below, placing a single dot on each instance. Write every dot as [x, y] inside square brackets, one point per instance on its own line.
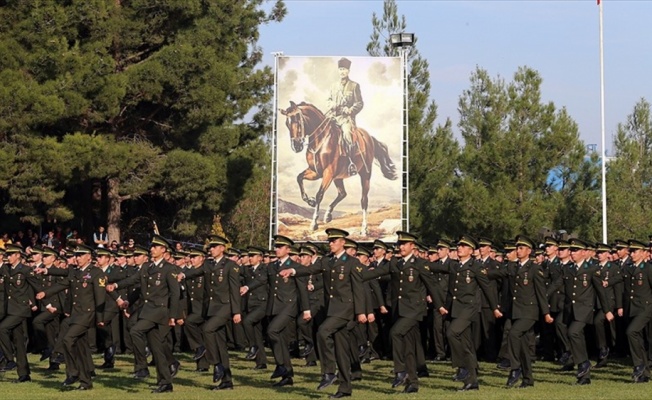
[610, 383]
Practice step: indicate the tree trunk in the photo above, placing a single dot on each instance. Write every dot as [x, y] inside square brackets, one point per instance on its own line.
[114, 212]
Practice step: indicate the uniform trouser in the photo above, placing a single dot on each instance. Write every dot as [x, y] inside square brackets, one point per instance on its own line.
[92, 339]
[306, 328]
[193, 327]
[278, 331]
[518, 344]
[76, 352]
[636, 338]
[214, 330]
[354, 353]
[144, 332]
[105, 333]
[10, 326]
[406, 340]
[372, 334]
[561, 330]
[235, 334]
[126, 337]
[438, 333]
[578, 343]
[253, 328]
[463, 348]
[334, 350]
[46, 325]
[384, 326]
[488, 330]
[605, 331]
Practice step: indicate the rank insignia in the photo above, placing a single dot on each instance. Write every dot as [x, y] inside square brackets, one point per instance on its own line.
[157, 283]
[484, 271]
[101, 282]
[236, 269]
[359, 269]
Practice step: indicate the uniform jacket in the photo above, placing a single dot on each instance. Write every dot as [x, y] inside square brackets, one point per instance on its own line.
[637, 281]
[222, 285]
[86, 290]
[19, 284]
[528, 290]
[285, 294]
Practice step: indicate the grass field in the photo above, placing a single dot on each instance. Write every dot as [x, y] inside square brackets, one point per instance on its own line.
[612, 382]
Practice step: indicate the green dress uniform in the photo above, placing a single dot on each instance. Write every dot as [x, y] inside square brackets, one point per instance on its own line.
[439, 331]
[19, 284]
[111, 312]
[197, 307]
[86, 287]
[638, 309]
[46, 323]
[257, 295]
[610, 274]
[316, 306]
[160, 292]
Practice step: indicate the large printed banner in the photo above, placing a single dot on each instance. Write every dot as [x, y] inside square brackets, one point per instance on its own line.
[339, 146]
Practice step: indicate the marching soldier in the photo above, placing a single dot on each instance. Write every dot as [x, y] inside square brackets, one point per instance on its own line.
[315, 287]
[46, 323]
[613, 281]
[197, 302]
[86, 286]
[256, 290]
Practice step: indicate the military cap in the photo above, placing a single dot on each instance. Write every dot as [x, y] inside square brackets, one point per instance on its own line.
[421, 247]
[500, 253]
[217, 240]
[101, 251]
[123, 253]
[350, 244]
[12, 248]
[550, 241]
[180, 254]
[454, 247]
[466, 240]
[312, 246]
[538, 252]
[140, 250]
[390, 249]
[563, 244]
[255, 251]
[344, 63]
[577, 244]
[232, 252]
[83, 249]
[37, 250]
[196, 252]
[406, 237]
[306, 251]
[432, 248]
[620, 244]
[483, 241]
[636, 245]
[271, 253]
[294, 250]
[159, 240]
[379, 244]
[444, 243]
[280, 240]
[602, 247]
[335, 233]
[71, 243]
[68, 253]
[48, 251]
[522, 240]
[510, 245]
[363, 251]
[396, 248]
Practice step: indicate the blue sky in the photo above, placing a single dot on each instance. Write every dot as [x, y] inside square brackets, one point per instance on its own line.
[557, 38]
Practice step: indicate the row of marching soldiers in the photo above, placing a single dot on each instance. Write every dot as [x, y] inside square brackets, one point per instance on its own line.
[348, 307]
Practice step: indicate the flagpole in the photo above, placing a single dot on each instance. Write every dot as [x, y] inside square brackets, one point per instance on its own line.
[604, 158]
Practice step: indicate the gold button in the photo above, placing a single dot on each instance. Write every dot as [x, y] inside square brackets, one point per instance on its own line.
[454, 297]
[399, 297]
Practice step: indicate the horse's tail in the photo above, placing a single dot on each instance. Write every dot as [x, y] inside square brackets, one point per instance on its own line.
[381, 154]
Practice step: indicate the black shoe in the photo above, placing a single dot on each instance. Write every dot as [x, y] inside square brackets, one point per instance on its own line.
[23, 378]
[307, 350]
[224, 386]
[583, 369]
[148, 352]
[567, 368]
[106, 365]
[201, 370]
[46, 354]
[366, 360]
[462, 374]
[311, 364]
[410, 389]
[279, 372]
[399, 379]
[253, 352]
[361, 350]
[174, 368]
[327, 380]
[53, 367]
[639, 370]
[84, 387]
[423, 373]
[142, 374]
[261, 366]
[602, 362]
[356, 378]
[71, 380]
[11, 365]
[163, 389]
[504, 364]
[469, 386]
[514, 376]
[109, 354]
[59, 359]
[439, 359]
[565, 357]
[92, 374]
[642, 379]
[287, 381]
[339, 395]
[583, 381]
[218, 372]
[524, 385]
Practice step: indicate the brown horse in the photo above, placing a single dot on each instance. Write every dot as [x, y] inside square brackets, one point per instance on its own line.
[327, 161]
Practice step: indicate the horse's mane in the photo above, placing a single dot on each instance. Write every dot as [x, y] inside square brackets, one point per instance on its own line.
[312, 106]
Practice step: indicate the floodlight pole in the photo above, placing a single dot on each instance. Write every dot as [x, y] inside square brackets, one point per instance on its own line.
[273, 198]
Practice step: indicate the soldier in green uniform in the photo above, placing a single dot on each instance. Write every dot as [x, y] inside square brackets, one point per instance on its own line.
[613, 281]
[465, 280]
[411, 278]
[196, 305]
[46, 323]
[19, 285]
[315, 288]
[637, 278]
[86, 286]
[111, 310]
[442, 249]
[160, 293]
[528, 289]
[344, 103]
[582, 282]
[487, 333]
[256, 291]
[345, 302]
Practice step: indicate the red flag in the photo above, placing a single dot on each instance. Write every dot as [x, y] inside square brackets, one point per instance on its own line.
[598, 2]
